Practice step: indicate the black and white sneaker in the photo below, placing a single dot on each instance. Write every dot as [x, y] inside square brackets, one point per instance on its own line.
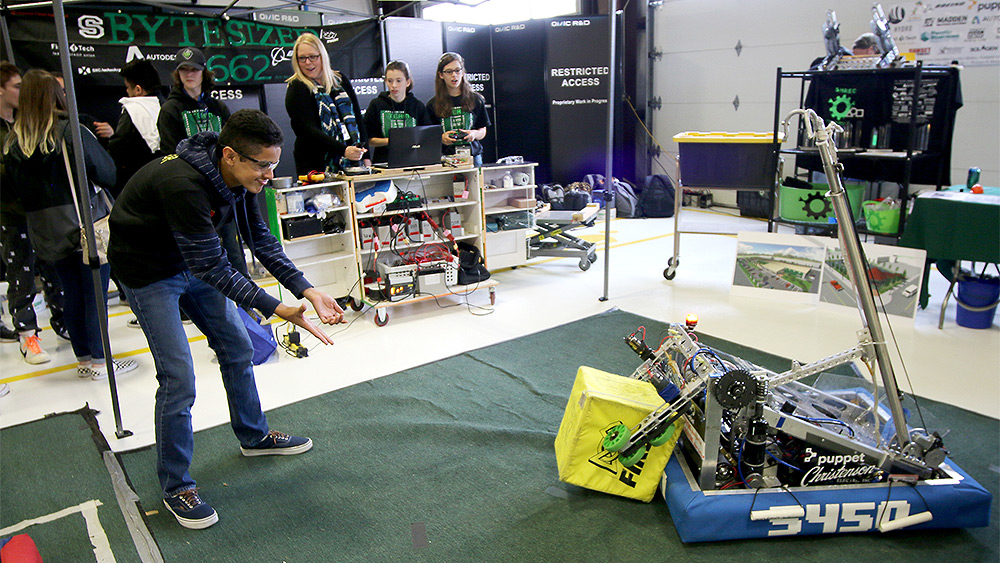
[278, 443]
[190, 511]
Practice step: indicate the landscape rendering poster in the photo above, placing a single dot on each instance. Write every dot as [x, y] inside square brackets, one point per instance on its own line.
[778, 266]
[808, 269]
[895, 274]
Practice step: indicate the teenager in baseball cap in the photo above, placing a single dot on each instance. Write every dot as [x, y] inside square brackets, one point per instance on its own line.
[189, 56]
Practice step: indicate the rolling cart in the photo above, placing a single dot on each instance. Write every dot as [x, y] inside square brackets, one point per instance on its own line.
[553, 239]
[721, 161]
[461, 291]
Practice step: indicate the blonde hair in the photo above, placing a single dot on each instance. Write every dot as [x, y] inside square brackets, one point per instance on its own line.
[329, 79]
[42, 101]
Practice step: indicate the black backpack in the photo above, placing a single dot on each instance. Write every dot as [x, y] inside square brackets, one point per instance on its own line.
[656, 198]
[471, 268]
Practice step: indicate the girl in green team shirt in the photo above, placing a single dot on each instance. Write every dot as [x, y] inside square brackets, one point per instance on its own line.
[455, 106]
[395, 107]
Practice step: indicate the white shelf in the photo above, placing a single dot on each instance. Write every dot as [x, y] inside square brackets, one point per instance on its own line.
[307, 214]
[315, 237]
[494, 166]
[514, 189]
[310, 186]
[431, 207]
[324, 258]
[506, 209]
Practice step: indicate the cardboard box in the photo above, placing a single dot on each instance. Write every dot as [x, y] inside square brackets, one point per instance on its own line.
[598, 402]
[522, 202]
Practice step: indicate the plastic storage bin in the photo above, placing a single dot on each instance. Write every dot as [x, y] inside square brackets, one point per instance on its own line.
[744, 160]
[812, 206]
[881, 218]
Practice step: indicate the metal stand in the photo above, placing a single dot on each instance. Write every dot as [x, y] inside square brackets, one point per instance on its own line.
[83, 186]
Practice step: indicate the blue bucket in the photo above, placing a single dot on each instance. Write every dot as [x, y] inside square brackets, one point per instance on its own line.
[975, 294]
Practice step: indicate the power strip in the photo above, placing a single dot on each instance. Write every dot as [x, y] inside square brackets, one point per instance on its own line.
[291, 343]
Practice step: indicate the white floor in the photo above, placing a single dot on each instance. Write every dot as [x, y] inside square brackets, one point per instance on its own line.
[956, 365]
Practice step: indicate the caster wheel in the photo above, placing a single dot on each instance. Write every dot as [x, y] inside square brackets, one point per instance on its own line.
[593, 258]
[381, 317]
[629, 461]
[584, 264]
[671, 270]
[616, 438]
[664, 436]
[357, 304]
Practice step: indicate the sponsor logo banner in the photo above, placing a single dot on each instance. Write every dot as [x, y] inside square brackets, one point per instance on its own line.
[942, 32]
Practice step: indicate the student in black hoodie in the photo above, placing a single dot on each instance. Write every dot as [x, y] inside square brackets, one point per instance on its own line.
[165, 249]
[396, 107]
[190, 108]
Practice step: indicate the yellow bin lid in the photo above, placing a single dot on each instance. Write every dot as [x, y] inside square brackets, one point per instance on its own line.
[727, 137]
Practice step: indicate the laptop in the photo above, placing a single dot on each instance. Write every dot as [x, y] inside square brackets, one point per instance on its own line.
[415, 147]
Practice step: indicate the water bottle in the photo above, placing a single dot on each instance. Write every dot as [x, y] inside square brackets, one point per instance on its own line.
[973, 178]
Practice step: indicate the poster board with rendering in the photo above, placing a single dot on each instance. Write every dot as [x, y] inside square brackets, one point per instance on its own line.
[808, 269]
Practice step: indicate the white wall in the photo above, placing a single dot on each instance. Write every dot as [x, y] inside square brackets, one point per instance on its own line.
[700, 72]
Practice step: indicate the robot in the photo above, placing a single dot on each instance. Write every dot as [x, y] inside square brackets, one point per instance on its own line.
[747, 426]
[887, 45]
[831, 37]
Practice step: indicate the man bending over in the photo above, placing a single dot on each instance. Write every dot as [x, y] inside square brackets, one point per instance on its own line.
[165, 251]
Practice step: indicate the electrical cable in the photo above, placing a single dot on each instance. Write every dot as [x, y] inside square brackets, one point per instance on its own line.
[827, 421]
[739, 462]
[775, 458]
[902, 363]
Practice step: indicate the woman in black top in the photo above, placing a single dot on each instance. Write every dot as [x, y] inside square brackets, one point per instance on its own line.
[395, 107]
[323, 110]
[461, 111]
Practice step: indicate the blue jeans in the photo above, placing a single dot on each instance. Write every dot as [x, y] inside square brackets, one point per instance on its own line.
[80, 311]
[157, 306]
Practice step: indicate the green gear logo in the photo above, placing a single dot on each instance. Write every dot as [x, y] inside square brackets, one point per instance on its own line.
[841, 106]
[877, 222]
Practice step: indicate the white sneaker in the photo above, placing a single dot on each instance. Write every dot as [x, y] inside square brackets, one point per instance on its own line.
[31, 349]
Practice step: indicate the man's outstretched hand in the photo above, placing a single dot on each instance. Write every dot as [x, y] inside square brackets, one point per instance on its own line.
[297, 316]
[329, 311]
